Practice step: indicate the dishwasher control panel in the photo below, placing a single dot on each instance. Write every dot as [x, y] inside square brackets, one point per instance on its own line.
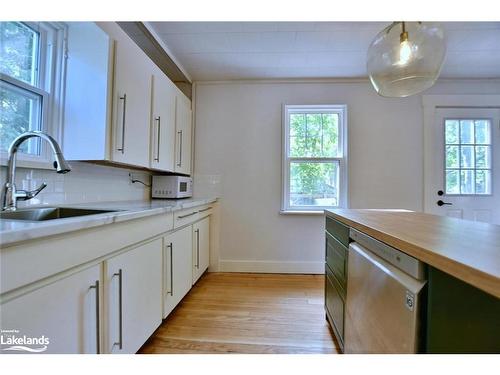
[405, 262]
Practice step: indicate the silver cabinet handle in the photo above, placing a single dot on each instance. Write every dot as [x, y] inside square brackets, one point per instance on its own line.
[171, 269]
[158, 119]
[191, 214]
[197, 248]
[120, 310]
[205, 209]
[180, 148]
[124, 114]
[97, 317]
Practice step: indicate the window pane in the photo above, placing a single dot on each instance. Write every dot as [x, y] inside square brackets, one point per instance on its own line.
[314, 135]
[483, 133]
[451, 131]
[20, 111]
[483, 157]
[467, 159]
[19, 51]
[452, 182]
[314, 184]
[466, 131]
[466, 182]
[452, 156]
[483, 182]
[468, 156]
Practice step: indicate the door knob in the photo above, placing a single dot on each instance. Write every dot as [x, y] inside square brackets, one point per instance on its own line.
[441, 203]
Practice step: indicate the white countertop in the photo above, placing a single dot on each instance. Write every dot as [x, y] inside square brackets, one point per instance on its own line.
[15, 231]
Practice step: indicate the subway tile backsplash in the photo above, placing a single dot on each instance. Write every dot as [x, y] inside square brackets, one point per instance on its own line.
[86, 183]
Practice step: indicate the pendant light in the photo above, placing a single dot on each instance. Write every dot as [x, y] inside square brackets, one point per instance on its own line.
[406, 58]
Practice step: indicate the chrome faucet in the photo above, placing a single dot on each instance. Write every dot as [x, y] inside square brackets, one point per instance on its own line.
[10, 193]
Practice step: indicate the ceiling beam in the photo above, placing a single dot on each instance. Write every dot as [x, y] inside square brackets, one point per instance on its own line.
[139, 33]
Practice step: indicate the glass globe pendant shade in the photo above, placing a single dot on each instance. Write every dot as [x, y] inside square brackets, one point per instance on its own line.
[406, 58]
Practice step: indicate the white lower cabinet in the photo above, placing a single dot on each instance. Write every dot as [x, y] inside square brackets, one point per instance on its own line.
[133, 289]
[115, 305]
[201, 247]
[65, 312]
[177, 261]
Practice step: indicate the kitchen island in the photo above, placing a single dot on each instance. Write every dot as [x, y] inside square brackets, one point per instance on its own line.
[461, 306]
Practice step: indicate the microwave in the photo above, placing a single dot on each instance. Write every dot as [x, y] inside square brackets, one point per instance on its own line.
[172, 187]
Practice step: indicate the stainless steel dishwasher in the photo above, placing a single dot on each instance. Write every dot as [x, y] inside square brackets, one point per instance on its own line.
[383, 304]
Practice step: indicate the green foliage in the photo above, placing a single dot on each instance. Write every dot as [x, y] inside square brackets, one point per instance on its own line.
[18, 109]
[18, 52]
[313, 135]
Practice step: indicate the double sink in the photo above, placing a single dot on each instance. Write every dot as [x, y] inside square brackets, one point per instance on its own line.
[49, 213]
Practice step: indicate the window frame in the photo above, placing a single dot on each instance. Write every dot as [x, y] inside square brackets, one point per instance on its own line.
[341, 159]
[49, 87]
[459, 144]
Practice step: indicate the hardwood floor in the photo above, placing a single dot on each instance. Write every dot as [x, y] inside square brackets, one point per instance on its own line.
[247, 313]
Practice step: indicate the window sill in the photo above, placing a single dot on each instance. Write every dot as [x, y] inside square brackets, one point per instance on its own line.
[26, 163]
[305, 213]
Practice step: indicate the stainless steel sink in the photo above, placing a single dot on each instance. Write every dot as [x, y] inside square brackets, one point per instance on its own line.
[49, 213]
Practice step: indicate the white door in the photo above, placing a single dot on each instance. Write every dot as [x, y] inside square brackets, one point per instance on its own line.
[133, 283]
[162, 123]
[132, 105]
[65, 313]
[463, 179]
[183, 119]
[177, 274]
[201, 247]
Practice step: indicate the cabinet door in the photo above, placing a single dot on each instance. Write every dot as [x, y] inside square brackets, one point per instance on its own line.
[65, 312]
[134, 297]
[201, 247]
[132, 103]
[88, 92]
[178, 260]
[162, 123]
[183, 118]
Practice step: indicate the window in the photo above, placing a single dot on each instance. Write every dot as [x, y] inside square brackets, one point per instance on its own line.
[468, 156]
[315, 156]
[30, 76]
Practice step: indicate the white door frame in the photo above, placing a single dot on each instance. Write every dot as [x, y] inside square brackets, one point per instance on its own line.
[432, 102]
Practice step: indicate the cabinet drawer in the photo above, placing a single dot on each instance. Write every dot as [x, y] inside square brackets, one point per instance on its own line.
[338, 230]
[185, 217]
[336, 258]
[204, 211]
[334, 304]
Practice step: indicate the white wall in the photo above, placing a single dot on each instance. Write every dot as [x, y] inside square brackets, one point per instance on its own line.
[85, 183]
[238, 157]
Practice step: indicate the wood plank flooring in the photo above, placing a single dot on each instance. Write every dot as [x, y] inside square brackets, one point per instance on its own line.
[247, 313]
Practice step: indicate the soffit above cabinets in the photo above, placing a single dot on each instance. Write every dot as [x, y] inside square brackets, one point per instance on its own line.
[274, 50]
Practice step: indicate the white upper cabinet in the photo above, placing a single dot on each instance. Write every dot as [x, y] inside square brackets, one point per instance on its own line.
[88, 92]
[119, 106]
[162, 150]
[107, 96]
[131, 102]
[183, 119]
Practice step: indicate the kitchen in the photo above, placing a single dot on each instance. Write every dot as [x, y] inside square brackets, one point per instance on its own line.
[180, 215]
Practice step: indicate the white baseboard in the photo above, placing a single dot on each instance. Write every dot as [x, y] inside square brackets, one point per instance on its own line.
[271, 267]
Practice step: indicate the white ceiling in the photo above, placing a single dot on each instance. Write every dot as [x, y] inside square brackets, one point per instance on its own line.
[264, 50]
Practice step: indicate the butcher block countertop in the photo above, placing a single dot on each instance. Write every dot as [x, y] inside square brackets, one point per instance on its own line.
[467, 250]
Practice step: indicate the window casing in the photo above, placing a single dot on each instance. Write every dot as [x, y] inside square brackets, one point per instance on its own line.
[31, 87]
[314, 158]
